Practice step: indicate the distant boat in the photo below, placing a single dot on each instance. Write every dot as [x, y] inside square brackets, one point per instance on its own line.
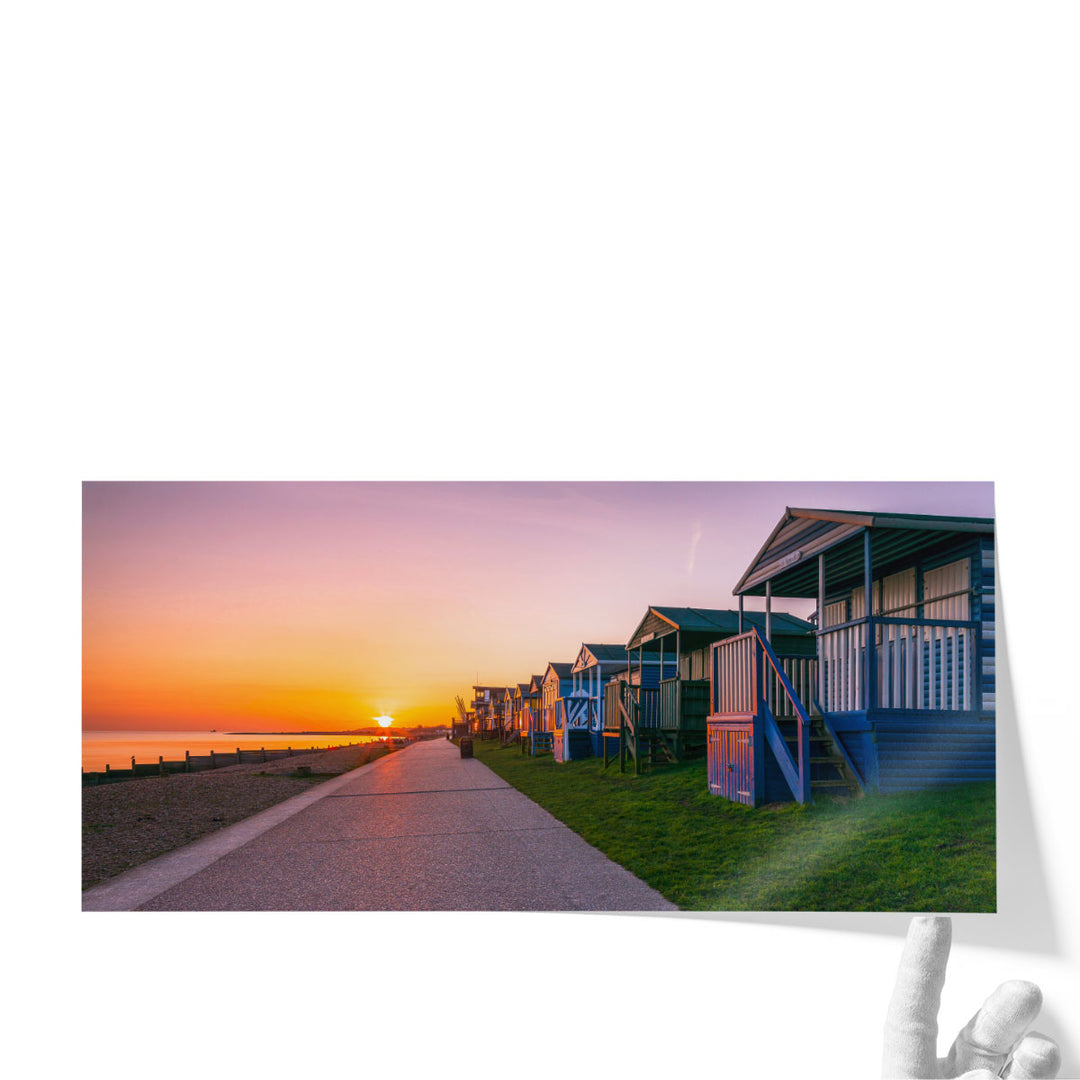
[213, 731]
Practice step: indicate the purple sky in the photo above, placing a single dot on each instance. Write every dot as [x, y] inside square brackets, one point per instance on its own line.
[322, 605]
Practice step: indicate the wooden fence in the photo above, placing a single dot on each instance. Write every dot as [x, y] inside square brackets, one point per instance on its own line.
[202, 762]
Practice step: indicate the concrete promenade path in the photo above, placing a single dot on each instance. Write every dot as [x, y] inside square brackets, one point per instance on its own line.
[418, 830]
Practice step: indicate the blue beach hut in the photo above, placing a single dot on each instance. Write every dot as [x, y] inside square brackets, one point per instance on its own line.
[899, 694]
[595, 665]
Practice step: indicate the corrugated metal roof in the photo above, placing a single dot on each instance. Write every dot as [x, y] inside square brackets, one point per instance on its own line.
[788, 556]
[607, 652]
[717, 621]
[613, 657]
[562, 670]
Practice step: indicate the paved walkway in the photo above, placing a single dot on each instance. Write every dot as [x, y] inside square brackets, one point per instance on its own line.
[419, 830]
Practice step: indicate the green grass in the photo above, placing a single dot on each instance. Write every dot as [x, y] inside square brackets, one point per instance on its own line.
[925, 851]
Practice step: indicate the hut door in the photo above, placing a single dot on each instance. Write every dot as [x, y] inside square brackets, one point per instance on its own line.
[731, 763]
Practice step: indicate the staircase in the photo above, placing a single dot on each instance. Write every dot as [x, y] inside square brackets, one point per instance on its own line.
[656, 750]
[830, 774]
[540, 741]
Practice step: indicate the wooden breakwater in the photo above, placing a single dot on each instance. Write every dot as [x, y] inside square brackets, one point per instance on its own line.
[201, 762]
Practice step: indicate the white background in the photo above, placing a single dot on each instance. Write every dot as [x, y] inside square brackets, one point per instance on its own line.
[508, 240]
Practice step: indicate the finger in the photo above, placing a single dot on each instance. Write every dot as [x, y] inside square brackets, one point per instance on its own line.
[990, 1035]
[1036, 1057]
[911, 1022]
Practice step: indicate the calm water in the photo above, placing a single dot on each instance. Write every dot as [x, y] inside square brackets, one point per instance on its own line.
[101, 748]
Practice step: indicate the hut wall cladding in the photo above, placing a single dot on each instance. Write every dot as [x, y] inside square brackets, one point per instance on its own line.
[914, 753]
[986, 616]
[695, 663]
[650, 672]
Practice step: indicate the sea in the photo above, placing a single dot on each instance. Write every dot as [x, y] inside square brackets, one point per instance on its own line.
[116, 748]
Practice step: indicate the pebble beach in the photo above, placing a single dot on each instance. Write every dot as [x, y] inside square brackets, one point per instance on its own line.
[129, 822]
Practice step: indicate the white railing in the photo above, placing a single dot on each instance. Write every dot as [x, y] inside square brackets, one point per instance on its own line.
[733, 676]
[920, 665]
[842, 660]
[573, 711]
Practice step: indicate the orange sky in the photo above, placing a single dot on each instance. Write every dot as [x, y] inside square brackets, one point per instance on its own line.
[292, 606]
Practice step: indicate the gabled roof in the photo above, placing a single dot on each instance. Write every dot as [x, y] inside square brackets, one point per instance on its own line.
[522, 689]
[591, 655]
[788, 556]
[711, 623]
[561, 670]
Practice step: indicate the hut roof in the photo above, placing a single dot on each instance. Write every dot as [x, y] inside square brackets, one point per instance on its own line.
[697, 624]
[788, 556]
[563, 671]
[613, 656]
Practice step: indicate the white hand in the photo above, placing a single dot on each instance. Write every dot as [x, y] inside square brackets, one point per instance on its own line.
[992, 1044]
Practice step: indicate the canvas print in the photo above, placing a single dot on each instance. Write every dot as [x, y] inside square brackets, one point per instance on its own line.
[539, 696]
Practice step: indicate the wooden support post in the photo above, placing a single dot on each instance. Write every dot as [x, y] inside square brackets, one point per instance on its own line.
[870, 675]
[740, 613]
[622, 727]
[187, 761]
[161, 765]
[820, 626]
[758, 725]
[766, 681]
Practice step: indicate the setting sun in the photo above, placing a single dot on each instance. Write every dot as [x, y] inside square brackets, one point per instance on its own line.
[384, 721]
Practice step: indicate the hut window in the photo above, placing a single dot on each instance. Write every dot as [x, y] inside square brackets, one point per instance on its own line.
[858, 601]
[835, 614]
[898, 592]
[946, 581]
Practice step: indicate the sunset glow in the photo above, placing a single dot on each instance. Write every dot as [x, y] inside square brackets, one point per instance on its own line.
[304, 606]
[384, 721]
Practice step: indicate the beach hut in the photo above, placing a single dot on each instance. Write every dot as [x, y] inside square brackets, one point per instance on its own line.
[507, 731]
[899, 694]
[485, 706]
[520, 721]
[659, 710]
[594, 666]
[533, 719]
[555, 689]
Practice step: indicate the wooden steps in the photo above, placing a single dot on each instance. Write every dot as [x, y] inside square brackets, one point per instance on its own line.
[829, 772]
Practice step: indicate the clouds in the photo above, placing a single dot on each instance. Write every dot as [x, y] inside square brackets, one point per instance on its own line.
[695, 537]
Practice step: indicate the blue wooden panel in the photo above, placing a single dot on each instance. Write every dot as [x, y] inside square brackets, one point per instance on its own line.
[986, 615]
[578, 744]
[776, 786]
[597, 740]
[913, 753]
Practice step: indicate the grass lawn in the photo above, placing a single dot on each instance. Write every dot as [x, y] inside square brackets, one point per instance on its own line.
[927, 851]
